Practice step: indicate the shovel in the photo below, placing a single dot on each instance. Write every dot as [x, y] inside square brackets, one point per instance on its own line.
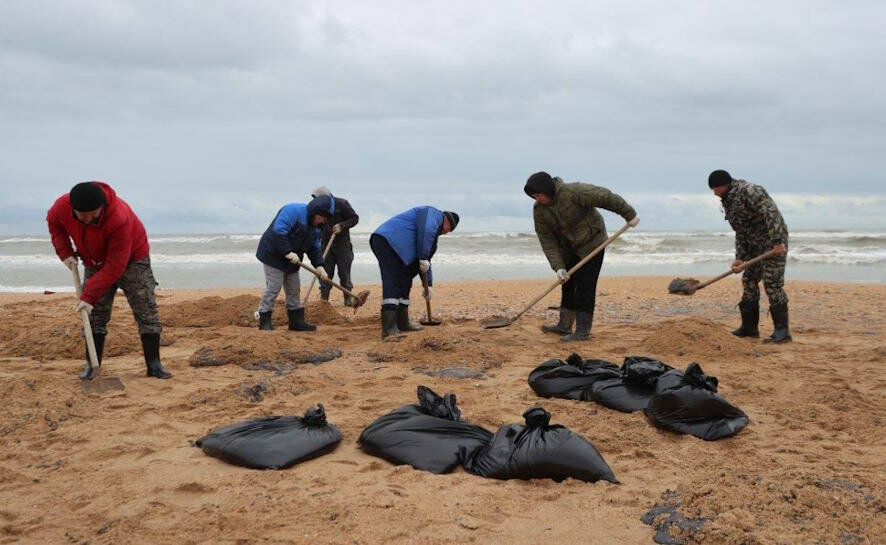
[688, 286]
[359, 299]
[314, 280]
[428, 320]
[503, 322]
[97, 384]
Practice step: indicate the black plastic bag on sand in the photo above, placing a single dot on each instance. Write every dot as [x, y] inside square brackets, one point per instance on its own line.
[571, 379]
[273, 442]
[429, 435]
[539, 450]
[634, 387]
[688, 403]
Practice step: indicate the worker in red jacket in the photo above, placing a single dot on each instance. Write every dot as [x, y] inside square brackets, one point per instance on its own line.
[111, 241]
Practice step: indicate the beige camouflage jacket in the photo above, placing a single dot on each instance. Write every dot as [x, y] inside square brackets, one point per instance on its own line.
[571, 223]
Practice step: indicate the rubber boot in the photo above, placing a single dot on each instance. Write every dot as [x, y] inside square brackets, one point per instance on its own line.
[780, 319]
[324, 295]
[265, 321]
[564, 326]
[389, 323]
[350, 301]
[297, 320]
[151, 348]
[582, 327]
[403, 323]
[750, 319]
[99, 339]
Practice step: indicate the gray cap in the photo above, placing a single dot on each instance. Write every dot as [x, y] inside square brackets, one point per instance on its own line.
[322, 190]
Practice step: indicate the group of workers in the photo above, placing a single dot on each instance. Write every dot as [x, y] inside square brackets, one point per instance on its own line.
[95, 225]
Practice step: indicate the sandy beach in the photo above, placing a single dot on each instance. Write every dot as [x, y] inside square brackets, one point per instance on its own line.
[809, 468]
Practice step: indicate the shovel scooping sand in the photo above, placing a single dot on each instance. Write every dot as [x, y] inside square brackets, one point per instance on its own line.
[688, 286]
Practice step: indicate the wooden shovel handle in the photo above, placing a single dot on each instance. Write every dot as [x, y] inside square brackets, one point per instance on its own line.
[87, 327]
[577, 266]
[313, 280]
[313, 271]
[744, 266]
[424, 284]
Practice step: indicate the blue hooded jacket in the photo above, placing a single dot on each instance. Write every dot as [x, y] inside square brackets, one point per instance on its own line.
[413, 234]
[293, 231]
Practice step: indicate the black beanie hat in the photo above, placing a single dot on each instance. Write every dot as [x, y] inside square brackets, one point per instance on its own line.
[87, 196]
[718, 178]
[540, 182]
[453, 219]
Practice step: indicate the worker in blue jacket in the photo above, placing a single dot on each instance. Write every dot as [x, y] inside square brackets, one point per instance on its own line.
[294, 232]
[404, 246]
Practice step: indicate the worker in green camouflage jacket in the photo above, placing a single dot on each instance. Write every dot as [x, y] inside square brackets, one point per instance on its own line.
[758, 227]
[569, 228]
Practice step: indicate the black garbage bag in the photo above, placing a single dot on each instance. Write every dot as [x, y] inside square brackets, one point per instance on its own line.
[633, 388]
[429, 435]
[273, 442]
[538, 450]
[688, 403]
[571, 379]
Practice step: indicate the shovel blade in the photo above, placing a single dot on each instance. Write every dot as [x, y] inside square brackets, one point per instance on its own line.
[102, 385]
[428, 321]
[496, 322]
[683, 286]
[360, 299]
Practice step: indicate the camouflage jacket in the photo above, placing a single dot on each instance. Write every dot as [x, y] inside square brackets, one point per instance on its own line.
[571, 223]
[757, 223]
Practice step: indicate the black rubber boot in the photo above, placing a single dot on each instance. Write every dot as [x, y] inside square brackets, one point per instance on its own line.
[564, 326]
[583, 322]
[389, 323]
[324, 295]
[265, 321]
[151, 347]
[780, 319]
[99, 339]
[403, 323]
[350, 301]
[750, 319]
[297, 320]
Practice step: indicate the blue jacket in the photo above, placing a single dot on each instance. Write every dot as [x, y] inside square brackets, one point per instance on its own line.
[413, 234]
[293, 231]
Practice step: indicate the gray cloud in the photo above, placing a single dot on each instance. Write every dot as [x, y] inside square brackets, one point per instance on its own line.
[176, 101]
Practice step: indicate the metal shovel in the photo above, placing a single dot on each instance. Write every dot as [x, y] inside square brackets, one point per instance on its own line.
[97, 384]
[428, 320]
[688, 286]
[503, 322]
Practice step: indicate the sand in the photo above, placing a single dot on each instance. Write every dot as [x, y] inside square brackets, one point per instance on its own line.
[809, 468]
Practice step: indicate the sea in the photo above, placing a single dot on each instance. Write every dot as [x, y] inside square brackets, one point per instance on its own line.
[28, 263]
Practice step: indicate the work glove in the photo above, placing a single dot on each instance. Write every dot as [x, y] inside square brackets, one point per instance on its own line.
[71, 262]
[337, 229]
[424, 265]
[78, 308]
[563, 275]
[321, 273]
[635, 221]
[428, 293]
[293, 258]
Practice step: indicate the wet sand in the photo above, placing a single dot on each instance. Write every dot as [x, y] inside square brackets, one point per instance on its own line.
[809, 467]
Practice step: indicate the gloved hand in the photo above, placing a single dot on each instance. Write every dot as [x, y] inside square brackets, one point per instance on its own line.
[293, 258]
[424, 265]
[428, 293]
[635, 221]
[321, 272]
[71, 262]
[78, 308]
[336, 229]
[563, 275]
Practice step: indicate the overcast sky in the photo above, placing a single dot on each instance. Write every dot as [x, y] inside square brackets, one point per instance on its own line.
[208, 116]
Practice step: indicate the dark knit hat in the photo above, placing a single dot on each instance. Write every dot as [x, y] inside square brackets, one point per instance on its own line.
[87, 196]
[540, 182]
[453, 219]
[718, 178]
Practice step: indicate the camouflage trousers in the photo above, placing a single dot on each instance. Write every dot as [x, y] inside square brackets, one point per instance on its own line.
[137, 283]
[771, 271]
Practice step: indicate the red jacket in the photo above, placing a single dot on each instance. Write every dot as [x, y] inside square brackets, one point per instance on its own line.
[110, 246]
